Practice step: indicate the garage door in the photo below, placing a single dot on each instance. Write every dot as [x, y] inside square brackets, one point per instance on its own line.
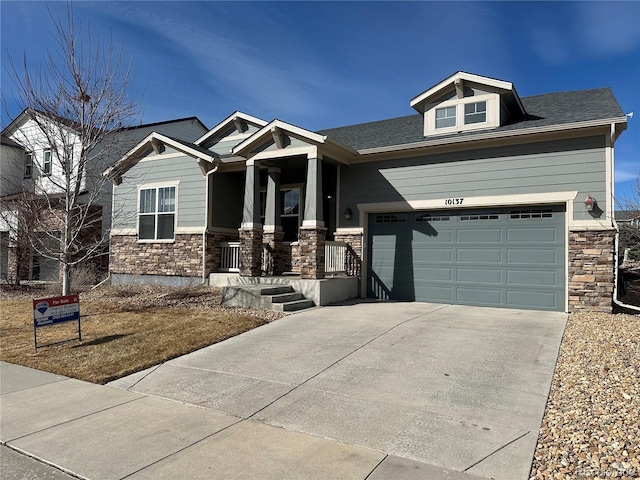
[510, 258]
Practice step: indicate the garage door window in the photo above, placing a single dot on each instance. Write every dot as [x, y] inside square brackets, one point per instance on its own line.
[479, 217]
[398, 218]
[532, 213]
[427, 217]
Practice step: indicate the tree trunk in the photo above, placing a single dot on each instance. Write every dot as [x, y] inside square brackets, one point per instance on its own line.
[66, 277]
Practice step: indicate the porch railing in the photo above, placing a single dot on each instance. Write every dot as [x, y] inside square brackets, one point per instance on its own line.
[335, 257]
[230, 257]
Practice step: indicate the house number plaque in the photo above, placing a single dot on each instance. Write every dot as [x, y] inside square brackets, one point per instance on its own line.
[453, 201]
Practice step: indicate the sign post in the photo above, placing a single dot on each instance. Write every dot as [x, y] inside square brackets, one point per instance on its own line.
[54, 310]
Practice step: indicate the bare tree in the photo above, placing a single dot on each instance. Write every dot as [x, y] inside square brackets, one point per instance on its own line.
[630, 228]
[75, 103]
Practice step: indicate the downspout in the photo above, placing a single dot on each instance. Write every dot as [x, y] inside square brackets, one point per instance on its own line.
[205, 281]
[614, 136]
[616, 273]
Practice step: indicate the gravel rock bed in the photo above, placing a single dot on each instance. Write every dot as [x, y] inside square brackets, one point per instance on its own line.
[591, 426]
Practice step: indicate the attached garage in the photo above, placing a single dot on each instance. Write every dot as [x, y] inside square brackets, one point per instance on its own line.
[507, 257]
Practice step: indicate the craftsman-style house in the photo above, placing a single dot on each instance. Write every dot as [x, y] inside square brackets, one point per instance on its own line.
[480, 197]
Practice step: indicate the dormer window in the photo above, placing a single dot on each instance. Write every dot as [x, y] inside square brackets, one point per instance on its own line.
[466, 102]
[445, 117]
[474, 113]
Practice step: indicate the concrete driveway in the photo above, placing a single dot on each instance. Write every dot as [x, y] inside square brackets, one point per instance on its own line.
[463, 388]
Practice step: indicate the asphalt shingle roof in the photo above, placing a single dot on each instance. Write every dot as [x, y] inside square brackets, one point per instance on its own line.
[542, 111]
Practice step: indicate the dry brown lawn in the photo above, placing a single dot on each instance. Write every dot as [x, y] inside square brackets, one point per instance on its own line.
[124, 329]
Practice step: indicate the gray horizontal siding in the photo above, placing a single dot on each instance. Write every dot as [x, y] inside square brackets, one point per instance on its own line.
[575, 164]
[191, 193]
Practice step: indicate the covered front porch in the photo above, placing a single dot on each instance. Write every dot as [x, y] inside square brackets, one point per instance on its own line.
[286, 226]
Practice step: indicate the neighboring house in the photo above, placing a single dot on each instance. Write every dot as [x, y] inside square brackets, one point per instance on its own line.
[481, 197]
[628, 217]
[32, 159]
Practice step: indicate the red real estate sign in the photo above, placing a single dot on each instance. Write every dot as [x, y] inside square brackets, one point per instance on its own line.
[49, 311]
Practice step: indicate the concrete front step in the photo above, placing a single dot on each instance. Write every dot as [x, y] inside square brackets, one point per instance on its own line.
[293, 306]
[275, 289]
[280, 298]
[286, 297]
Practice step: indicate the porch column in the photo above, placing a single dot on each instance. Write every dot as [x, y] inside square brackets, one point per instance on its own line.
[251, 228]
[313, 232]
[273, 234]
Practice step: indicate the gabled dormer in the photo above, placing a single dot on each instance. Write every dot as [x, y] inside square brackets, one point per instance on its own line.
[234, 129]
[464, 102]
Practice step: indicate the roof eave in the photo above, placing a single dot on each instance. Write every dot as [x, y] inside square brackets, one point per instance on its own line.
[143, 147]
[223, 124]
[491, 135]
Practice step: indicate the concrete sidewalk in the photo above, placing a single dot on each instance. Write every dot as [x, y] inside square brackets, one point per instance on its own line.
[369, 391]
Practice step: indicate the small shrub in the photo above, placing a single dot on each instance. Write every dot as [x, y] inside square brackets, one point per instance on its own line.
[83, 276]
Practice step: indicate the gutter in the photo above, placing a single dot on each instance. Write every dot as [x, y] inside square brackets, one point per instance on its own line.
[491, 135]
[615, 274]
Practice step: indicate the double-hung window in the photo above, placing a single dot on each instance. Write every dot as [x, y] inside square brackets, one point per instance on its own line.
[446, 117]
[156, 220]
[475, 113]
[28, 165]
[46, 163]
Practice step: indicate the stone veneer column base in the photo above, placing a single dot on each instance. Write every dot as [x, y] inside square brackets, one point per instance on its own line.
[250, 252]
[312, 240]
[274, 241]
[591, 270]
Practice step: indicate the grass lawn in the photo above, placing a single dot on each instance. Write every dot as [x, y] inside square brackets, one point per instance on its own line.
[124, 330]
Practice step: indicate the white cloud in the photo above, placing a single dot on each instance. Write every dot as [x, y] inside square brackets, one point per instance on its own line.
[550, 46]
[608, 28]
[269, 82]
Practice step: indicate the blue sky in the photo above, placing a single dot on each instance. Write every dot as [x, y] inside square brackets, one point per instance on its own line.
[327, 64]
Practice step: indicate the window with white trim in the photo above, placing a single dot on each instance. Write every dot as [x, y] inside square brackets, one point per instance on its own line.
[28, 165]
[46, 163]
[157, 214]
[445, 117]
[475, 113]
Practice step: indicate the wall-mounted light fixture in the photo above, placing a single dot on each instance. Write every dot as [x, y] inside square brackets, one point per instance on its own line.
[348, 214]
[589, 203]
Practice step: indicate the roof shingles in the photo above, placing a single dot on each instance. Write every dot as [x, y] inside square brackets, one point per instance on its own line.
[542, 111]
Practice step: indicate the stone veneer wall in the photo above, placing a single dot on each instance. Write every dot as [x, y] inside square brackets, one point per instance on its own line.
[354, 252]
[591, 270]
[312, 240]
[250, 252]
[293, 251]
[214, 249]
[183, 257]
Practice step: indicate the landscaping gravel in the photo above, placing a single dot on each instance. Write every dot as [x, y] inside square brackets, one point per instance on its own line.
[591, 426]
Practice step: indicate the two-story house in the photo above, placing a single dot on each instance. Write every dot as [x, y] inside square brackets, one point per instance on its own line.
[39, 161]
